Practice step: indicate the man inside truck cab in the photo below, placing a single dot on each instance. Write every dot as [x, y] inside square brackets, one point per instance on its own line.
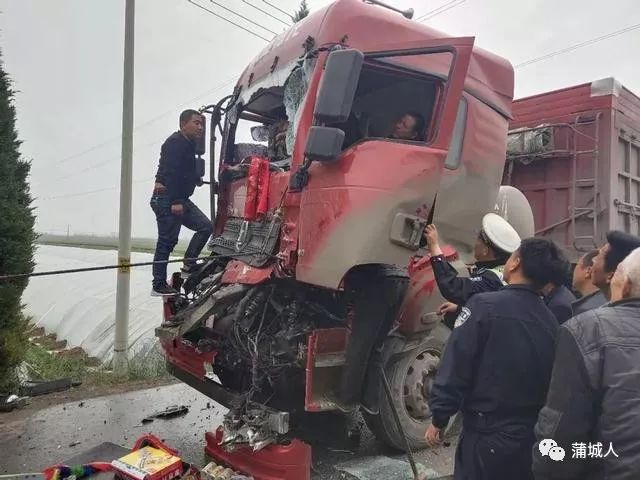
[176, 179]
[409, 126]
[496, 241]
[619, 245]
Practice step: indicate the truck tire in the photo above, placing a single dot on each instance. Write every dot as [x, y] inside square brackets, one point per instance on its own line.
[407, 373]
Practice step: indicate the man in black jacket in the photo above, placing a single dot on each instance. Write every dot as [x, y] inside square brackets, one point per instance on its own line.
[496, 369]
[557, 296]
[592, 407]
[591, 296]
[176, 179]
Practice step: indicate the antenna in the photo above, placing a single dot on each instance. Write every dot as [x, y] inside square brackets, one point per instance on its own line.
[408, 13]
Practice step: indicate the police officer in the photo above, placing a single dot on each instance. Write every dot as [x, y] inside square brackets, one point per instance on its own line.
[496, 369]
[496, 241]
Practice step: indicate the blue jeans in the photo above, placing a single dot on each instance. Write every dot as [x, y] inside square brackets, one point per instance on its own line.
[169, 229]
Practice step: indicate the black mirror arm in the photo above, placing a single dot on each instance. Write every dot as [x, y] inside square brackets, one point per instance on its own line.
[300, 178]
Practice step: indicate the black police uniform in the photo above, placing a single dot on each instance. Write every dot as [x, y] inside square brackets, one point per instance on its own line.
[483, 278]
[496, 369]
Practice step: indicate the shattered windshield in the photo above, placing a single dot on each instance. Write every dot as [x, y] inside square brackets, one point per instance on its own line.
[295, 89]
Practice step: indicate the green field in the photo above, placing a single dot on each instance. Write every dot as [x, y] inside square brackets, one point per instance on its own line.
[145, 245]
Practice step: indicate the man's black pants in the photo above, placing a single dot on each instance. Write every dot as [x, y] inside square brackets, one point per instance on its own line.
[169, 230]
[495, 451]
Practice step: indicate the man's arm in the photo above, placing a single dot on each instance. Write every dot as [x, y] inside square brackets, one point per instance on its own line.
[457, 289]
[569, 414]
[457, 366]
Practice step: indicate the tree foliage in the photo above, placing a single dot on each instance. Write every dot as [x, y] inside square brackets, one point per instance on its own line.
[16, 237]
[302, 11]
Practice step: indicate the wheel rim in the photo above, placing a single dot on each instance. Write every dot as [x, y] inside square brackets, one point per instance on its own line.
[417, 384]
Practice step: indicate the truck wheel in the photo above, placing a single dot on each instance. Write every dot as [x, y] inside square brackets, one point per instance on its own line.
[410, 377]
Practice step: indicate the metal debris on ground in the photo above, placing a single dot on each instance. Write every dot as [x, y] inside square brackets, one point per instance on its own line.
[169, 412]
[9, 403]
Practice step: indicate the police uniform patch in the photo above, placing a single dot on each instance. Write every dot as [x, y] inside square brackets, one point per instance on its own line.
[464, 315]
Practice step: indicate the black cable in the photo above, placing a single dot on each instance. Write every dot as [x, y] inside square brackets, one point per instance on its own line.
[267, 13]
[107, 267]
[229, 21]
[275, 7]
[233, 12]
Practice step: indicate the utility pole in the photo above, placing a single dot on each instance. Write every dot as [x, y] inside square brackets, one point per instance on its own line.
[121, 344]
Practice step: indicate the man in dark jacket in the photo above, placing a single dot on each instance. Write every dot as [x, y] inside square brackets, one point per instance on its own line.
[496, 369]
[496, 241]
[619, 245]
[592, 408]
[557, 296]
[590, 296]
[176, 179]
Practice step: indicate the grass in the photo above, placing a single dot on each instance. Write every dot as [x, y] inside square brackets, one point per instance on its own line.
[50, 367]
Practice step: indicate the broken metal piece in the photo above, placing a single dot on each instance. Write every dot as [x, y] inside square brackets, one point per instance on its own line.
[169, 412]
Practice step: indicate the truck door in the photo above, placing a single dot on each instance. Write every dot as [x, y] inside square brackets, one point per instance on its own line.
[369, 206]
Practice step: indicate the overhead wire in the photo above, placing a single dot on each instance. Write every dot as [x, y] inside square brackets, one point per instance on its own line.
[275, 7]
[288, 24]
[229, 21]
[441, 9]
[233, 12]
[578, 45]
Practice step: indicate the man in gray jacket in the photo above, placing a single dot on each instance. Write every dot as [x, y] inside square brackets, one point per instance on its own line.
[589, 429]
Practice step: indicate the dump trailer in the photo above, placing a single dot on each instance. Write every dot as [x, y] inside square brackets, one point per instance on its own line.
[575, 154]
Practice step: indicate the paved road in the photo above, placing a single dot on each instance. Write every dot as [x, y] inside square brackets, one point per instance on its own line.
[59, 432]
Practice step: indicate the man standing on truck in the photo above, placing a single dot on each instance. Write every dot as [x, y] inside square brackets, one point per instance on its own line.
[619, 245]
[176, 179]
[591, 296]
[496, 369]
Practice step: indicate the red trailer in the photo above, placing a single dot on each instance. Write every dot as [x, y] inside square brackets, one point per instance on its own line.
[575, 154]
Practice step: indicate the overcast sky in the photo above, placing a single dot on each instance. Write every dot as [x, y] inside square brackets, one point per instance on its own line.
[65, 59]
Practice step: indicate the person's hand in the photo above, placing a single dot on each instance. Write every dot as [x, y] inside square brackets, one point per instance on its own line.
[447, 307]
[158, 186]
[177, 209]
[199, 182]
[432, 436]
[433, 241]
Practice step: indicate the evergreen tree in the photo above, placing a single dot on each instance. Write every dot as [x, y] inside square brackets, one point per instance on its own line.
[16, 237]
[302, 12]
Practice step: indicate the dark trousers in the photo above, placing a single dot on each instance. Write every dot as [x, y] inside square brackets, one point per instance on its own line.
[375, 310]
[502, 452]
[169, 229]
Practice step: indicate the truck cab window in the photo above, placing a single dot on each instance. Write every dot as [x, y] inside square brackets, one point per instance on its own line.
[396, 99]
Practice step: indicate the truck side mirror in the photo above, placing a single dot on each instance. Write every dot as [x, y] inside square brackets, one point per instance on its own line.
[324, 144]
[201, 143]
[338, 86]
[260, 133]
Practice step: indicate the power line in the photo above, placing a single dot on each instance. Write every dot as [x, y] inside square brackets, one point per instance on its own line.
[441, 9]
[275, 7]
[578, 45]
[158, 117]
[229, 21]
[266, 13]
[88, 192]
[233, 12]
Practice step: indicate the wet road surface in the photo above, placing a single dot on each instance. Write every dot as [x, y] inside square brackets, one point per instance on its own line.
[30, 443]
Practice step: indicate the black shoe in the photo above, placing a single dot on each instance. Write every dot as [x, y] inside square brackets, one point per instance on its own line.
[163, 291]
[187, 270]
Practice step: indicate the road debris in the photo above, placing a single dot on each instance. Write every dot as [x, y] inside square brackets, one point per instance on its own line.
[169, 412]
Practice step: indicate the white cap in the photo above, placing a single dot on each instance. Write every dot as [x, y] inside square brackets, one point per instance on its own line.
[500, 233]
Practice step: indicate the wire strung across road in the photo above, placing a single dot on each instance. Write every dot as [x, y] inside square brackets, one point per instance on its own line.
[4, 278]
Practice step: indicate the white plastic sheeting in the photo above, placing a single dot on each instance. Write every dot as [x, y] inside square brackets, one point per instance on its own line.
[80, 307]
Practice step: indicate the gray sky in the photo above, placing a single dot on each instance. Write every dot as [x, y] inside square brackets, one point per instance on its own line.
[65, 59]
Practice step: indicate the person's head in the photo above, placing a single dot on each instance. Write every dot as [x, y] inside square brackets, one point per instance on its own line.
[582, 273]
[625, 282]
[619, 245]
[496, 241]
[191, 124]
[409, 126]
[536, 262]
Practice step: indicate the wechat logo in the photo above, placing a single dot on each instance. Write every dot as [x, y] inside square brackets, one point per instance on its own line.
[549, 448]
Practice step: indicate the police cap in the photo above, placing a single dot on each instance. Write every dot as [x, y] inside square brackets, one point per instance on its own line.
[500, 233]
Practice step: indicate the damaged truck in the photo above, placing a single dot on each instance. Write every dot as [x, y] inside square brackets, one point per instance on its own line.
[317, 277]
